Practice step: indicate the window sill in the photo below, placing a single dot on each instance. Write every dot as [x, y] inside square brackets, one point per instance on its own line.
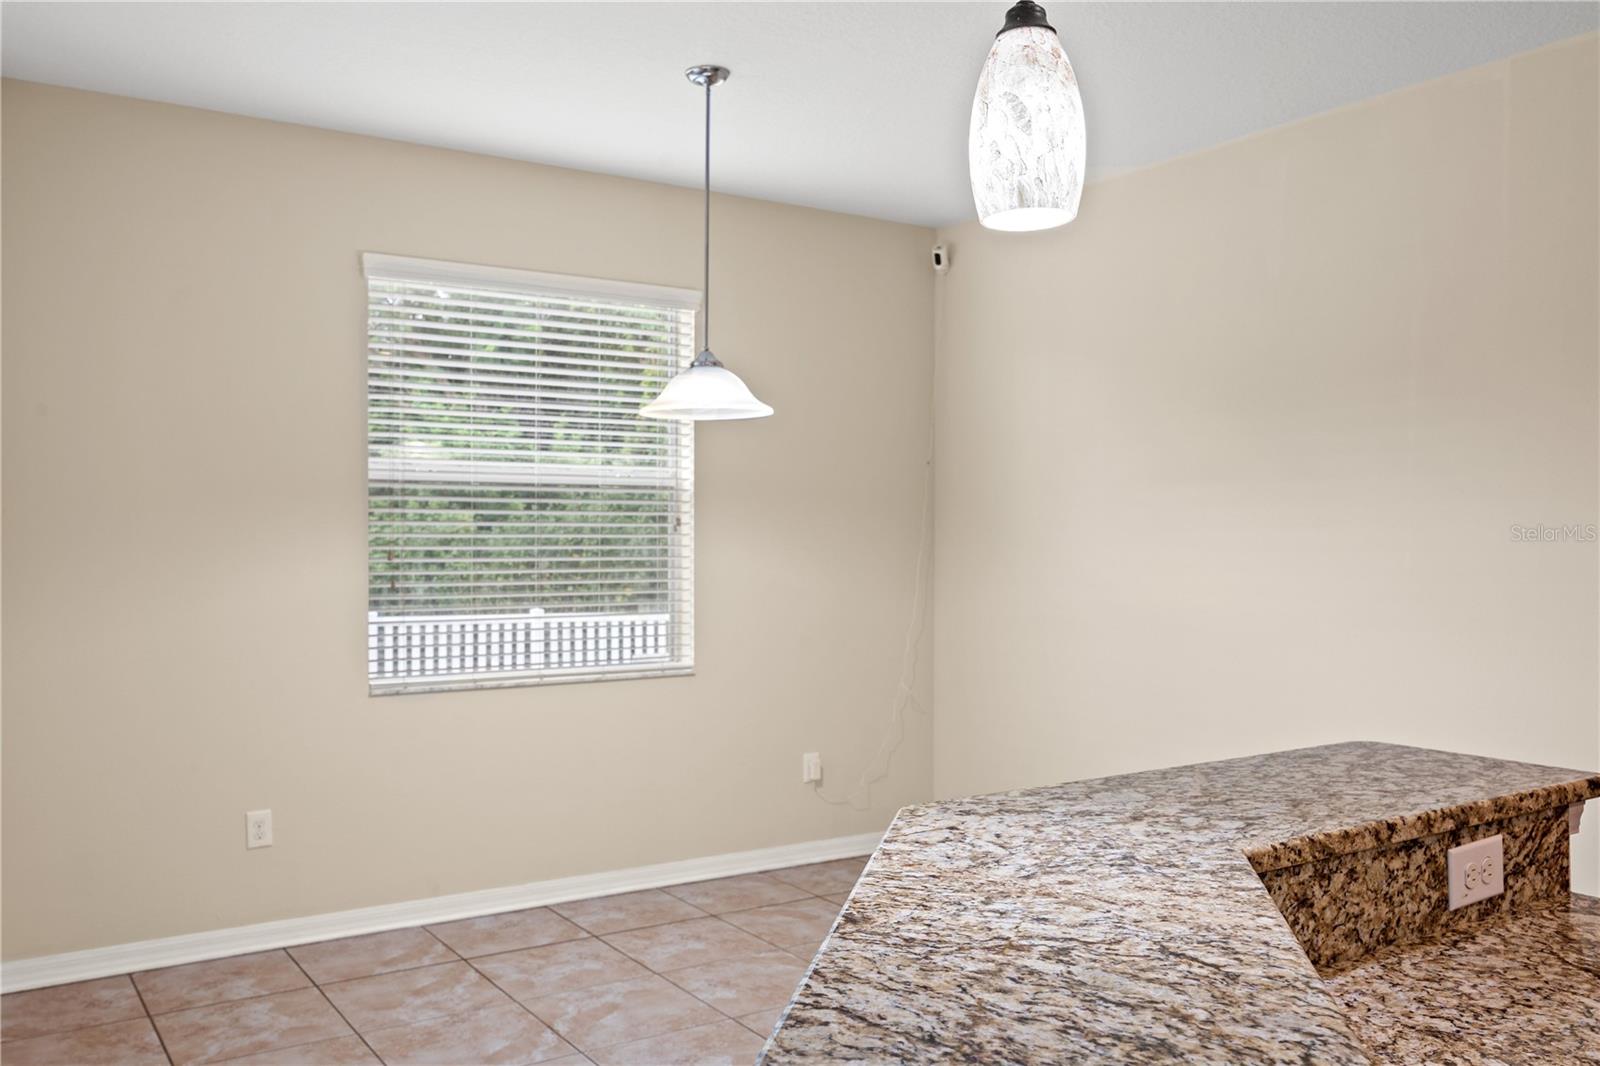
[412, 686]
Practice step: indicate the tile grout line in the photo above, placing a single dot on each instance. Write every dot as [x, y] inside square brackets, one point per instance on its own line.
[531, 1012]
[584, 1051]
[440, 941]
[515, 1002]
[275, 992]
[650, 970]
[746, 932]
[777, 946]
[689, 884]
[650, 925]
[669, 1032]
[571, 1043]
[531, 947]
[79, 1028]
[266, 1051]
[329, 1001]
[15, 1041]
[281, 1047]
[227, 1002]
[731, 1017]
[151, 1018]
[362, 977]
[746, 910]
[380, 973]
[654, 1036]
[666, 975]
[589, 934]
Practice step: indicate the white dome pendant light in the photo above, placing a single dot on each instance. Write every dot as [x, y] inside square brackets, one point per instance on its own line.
[706, 390]
[1026, 147]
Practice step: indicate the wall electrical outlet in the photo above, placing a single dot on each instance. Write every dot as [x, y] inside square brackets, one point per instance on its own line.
[1477, 871]
[810, 767]
[258, 829]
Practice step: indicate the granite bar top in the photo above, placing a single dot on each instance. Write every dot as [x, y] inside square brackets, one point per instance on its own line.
[1524, 990]
[1123, 919]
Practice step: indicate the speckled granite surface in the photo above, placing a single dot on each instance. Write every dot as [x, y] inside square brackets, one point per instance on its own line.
[1122, 919]
[1522, 991]
[1358, 796]
[1346, 908]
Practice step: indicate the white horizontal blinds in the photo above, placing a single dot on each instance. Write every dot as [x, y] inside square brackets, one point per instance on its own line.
[525, 524]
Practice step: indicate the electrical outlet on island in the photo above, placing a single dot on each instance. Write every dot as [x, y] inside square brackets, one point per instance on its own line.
[1477, 871]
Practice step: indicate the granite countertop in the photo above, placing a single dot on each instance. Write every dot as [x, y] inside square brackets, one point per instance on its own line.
[1528, 985]
[1123, 919]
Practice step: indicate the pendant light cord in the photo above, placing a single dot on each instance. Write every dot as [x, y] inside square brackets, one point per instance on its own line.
[706, 259]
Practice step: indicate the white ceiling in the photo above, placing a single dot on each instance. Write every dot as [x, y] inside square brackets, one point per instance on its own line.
[858, 107]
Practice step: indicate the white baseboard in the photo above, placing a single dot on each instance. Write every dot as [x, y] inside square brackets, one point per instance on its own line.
[44, 970]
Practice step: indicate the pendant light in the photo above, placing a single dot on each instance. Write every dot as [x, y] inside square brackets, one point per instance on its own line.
[1026, 146]
[706, 390]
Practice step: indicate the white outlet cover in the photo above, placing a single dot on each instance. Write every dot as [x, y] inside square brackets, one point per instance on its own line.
[1476, 870]
[258, 829]
[810, 767]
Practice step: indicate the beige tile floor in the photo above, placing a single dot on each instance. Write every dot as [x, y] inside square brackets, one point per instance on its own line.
[694, 973]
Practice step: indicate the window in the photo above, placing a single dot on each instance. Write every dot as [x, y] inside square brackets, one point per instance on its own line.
[525, 525]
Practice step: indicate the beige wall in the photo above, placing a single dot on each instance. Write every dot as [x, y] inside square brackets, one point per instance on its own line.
[1230, 463]
[184, 529]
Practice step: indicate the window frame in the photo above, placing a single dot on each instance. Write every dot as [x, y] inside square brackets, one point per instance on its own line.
[680, 602]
